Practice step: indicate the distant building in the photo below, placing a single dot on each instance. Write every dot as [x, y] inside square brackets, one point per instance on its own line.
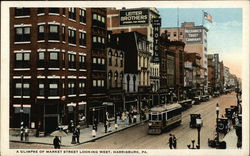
[195, 39]
[118, 21]
[211, 74]
[137, 70]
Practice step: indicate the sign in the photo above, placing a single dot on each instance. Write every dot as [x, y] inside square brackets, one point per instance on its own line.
[134, 17]
[157, 25]
[193, 35]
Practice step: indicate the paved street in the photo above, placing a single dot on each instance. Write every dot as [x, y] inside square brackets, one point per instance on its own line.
[137, 138]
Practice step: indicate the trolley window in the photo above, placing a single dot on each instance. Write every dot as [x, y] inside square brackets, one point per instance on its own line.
[149, 116]
[154, 117]
[159, 116]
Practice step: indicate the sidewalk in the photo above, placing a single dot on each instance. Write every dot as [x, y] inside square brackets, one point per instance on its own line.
[85, 134]
[231, 139]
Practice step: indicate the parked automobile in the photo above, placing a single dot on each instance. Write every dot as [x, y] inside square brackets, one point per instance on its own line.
[193, 118]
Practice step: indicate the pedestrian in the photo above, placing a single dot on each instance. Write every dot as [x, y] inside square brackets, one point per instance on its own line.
[38, 129]
[94, 131]
[26, 132]
[95, 123]
[134, 118]
[170, 141]
[78, 134]
[73, 141]
[174, 142]
[110, 128]
[56, 142]
[21, 131]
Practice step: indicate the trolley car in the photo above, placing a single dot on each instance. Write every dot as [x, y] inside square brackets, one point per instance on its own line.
[162, 117]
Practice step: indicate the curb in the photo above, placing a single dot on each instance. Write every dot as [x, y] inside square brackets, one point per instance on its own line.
[91, 140]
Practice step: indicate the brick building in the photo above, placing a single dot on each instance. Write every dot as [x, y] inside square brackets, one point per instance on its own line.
[195, 39]
[57, 85]
[118, 22]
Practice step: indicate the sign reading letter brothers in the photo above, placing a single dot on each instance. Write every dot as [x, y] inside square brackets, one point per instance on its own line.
[156, 24]
[135, 16]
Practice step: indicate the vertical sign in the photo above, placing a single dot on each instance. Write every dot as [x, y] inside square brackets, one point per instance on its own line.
[156, 25]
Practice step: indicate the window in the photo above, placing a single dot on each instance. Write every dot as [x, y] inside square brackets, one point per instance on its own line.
[72, 87]
[121, 60]
[22, 34]
[41, 32]
[116, 79]
[63, 33]
[94, 60]
[63, 11]
[110, 58]
[103, 61]
[82, 38]
[99, 17]
[41, 62]
[72, 13]
[82, 15]
[94, 83]
[54, 10]
[103, 40]
[72, 62]
[41, 86]
[94, 39]
[22, 92]
[53, 32]
[63, 60]
[81, 62]
[180, 33]
[22, 11]
[94, 16]
[72, 36]
[103, 20]
[40, 11]
[22, 60]
[81, 86]
[116, 59]
[53, 88]
[174, 34]
[53, 60]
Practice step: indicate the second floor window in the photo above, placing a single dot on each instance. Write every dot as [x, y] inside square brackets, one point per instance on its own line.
[82, 38]
[81, 86]
[110, 58]
[41, 32]
[22, 11]
[53, 32]
[72, 36]
[22, 34]
[22, 60]
[54, 60]
[72, 13]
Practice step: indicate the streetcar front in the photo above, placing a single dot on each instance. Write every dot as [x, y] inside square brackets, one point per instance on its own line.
[155, 123]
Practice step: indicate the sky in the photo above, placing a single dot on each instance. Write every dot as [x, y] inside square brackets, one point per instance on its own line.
[224, 35]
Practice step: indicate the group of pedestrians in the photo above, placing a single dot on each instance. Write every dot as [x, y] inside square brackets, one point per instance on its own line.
[172, 141]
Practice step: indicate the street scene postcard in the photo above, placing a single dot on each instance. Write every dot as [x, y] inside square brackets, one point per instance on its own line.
[125, 78]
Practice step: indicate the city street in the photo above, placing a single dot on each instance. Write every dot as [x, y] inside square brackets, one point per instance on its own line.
[137, 137]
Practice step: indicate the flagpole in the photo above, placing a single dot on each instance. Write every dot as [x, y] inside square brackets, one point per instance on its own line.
[178, 23]
[202, 17]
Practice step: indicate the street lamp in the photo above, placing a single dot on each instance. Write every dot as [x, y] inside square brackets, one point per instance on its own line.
[217, 117]
[198, 124]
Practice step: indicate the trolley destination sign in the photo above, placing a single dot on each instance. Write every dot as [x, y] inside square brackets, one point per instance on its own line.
[139, 16]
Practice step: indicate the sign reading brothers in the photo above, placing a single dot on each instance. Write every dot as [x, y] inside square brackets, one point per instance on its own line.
[135, 16]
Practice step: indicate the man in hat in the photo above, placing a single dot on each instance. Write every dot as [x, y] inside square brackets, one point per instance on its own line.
[170, 141]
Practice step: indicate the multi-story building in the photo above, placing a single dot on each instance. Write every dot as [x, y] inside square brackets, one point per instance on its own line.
[195, 39]
[217, 72]
[115, 71]
[139, 20]
[48, 72]
[136, 71]
[196, 85]
[97, 65]
[222, 79]
[211, 74]
[178, 48]
[226, 77]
